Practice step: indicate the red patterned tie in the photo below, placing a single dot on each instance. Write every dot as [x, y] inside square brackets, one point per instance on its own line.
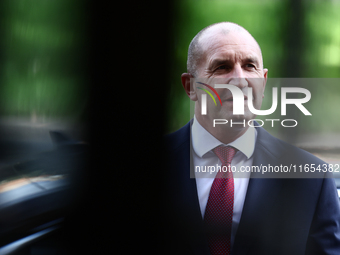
[219, 211]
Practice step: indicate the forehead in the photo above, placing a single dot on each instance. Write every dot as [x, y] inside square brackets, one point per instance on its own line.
[215, 43]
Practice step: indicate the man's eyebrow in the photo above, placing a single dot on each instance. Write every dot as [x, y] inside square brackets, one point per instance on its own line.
[219, 61]
[252, 60]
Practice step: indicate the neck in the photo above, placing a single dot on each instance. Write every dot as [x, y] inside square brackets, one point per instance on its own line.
[223, 132]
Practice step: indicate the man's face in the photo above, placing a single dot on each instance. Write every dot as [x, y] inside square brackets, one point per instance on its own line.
[234, 59]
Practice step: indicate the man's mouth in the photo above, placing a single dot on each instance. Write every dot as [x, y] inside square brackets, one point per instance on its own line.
[230, 99]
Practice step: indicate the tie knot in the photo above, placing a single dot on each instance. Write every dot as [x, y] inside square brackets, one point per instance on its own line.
[225, 153]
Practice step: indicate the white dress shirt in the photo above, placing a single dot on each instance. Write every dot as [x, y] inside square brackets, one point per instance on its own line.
[203, 143]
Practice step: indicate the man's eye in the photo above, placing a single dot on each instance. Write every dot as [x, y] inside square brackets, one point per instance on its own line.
[221, 67]
[250, 66]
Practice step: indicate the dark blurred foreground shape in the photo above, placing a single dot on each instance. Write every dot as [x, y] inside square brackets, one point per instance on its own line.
[38, 194]
[113, 205]
[44, 155]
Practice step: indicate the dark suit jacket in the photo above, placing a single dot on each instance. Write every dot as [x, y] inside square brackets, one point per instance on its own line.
[280, 216]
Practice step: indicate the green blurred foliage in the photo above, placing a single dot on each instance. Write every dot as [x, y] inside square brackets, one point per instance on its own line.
[297, 38]
[44, 46]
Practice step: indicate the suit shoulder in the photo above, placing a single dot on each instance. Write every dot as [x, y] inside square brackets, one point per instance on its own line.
[177, 139]
[301, 155]
[283, 150]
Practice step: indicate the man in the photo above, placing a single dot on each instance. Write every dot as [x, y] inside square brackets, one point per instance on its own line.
[248, 215]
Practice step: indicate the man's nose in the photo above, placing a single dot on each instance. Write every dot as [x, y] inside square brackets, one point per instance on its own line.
[237, 77]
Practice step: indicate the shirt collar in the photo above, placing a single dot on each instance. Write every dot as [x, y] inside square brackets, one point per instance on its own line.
[203, 141]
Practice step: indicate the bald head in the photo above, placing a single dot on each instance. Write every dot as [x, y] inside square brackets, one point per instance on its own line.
[206, 36]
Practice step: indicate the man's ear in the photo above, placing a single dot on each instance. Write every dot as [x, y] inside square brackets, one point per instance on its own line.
[265, 76]
[185, 77]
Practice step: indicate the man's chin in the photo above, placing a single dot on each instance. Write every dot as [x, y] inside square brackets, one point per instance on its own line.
[238, 118]
[240, 121]
[228, 119]
[242, 118]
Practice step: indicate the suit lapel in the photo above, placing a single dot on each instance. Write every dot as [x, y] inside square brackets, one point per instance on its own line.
[186, 198]
[261, 194]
